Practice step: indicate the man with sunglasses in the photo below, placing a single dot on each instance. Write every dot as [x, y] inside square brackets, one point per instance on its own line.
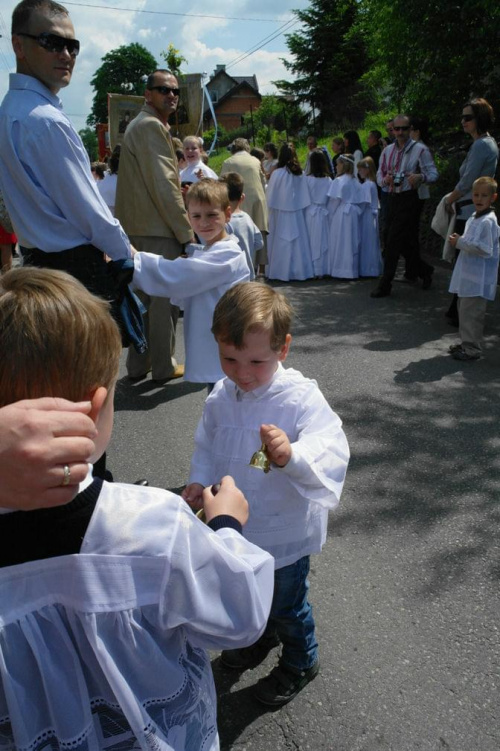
[59, 217]
[404, 166]
[150, 206]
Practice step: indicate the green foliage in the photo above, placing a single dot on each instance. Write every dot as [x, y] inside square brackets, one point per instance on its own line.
[426, 58]
[275, 114]
[173, 59]
[222, 136]
[120, 73]
[432, 57]
[329, 59]
[89, 138]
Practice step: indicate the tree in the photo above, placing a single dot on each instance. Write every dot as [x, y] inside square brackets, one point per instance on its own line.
[276, 114]
[434, 56]
[89, 138]
[173, 59]
[122, 72]
[329, 57]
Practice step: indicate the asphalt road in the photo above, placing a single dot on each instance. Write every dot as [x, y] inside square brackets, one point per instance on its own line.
[406, 590]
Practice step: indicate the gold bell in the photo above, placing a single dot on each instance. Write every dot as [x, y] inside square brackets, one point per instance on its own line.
[261, 460]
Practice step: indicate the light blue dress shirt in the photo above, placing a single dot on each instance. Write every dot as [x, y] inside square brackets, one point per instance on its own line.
[45, 176]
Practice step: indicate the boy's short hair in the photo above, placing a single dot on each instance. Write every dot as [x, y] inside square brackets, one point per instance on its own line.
[489, 181]
[248, 307]
[235, 185]
[257, 153]
[208, 191]
[56, 338]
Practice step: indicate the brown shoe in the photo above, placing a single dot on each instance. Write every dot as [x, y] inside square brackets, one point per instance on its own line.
[178, 373]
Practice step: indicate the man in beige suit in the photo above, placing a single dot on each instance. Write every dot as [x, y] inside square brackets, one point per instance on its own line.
[150, 207]
[250, 170]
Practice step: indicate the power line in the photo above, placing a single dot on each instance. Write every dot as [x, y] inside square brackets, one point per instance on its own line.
[281, 30]
[168, 13]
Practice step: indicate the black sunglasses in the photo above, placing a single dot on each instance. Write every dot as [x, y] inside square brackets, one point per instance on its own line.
[467, 118]
[165, 90]
[54, 43]
[401, 127]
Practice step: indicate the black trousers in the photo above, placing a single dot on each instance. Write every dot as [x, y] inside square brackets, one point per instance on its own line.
[401, 237]
[85, 262]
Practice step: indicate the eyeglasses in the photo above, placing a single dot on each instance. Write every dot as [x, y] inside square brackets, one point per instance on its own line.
[467, 118]
[165, 90]
[401, 127]
[54, 43]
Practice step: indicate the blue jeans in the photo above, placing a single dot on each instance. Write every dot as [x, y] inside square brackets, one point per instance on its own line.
[291, 616]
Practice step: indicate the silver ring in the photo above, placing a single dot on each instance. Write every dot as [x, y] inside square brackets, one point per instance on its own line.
[67, 475]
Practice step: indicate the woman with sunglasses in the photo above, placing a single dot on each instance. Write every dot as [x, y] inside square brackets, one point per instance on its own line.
[481, 161]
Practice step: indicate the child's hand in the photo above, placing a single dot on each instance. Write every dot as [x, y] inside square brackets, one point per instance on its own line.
[453, 239]
[229, 500]
[192, 494]
[278, 446]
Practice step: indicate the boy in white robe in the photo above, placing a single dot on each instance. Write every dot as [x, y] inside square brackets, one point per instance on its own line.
[109, 603]
[475, 275]
[241, 224]
[196, 283]
[261, 402]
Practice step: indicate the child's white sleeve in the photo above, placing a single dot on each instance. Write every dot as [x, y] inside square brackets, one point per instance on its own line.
[480, 246]
[184, 277]
[320, 454]
[258, 241]
[218, 586]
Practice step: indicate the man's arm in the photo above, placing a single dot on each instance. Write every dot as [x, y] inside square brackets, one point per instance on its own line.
[158, 165]
[71, 190]
[382, 169]
[427, 166]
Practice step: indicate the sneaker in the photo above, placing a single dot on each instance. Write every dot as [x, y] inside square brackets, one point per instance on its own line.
[283, 684]
[461, 354]
[454, 347]
[249, 657]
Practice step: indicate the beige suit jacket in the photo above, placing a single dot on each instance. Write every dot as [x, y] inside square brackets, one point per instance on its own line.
[148, 194]
[249, 168]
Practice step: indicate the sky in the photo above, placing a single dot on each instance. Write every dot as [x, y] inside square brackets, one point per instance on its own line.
[104, 25]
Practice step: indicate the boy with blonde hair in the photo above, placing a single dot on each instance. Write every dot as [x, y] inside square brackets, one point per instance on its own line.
[108, 603]
[196, 283]
[475, 275]
[241, 223]
[261, 402]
